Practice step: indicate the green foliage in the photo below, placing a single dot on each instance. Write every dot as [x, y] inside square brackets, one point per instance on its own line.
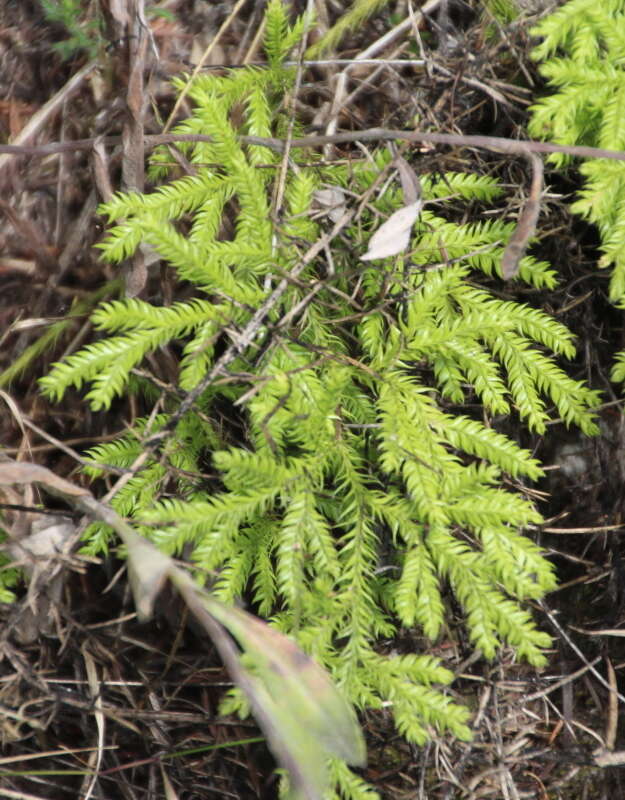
[9, 576]
[83, 34]
[352, 496]
[582, 59]
[504, 11]
[56, 332]
[351, 20]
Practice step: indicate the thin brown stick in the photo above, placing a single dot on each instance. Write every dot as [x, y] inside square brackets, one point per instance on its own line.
[495, 144]
[133, 134]
[611, 725]
[39, 119]
[577, 651]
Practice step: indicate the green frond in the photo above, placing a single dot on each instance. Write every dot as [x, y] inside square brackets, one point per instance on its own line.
[476, 366]
[492, 508]
[198, 354]
[574, 401]
[353, 787]
[280, 37]
[122, 242]
[467, 185]
[258, 123]
[299, 197]
[276, 27]
[263, 571]
[291, 551]
[237, 569]
[352, 19]
[520, 566]
[191, 263]
[96, 362]
[538, 273]
[449, 377]
[612, 131]
[56, 331]
[474, 438]
[618, 370]
[119, 453]
[404, 682]
[504, 11]
[208, 216]
[107, 363]
[417, 594]
[176, 320]
[582, 52]
[577, 18]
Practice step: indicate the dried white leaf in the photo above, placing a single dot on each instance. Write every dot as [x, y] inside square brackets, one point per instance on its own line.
[331, 202]
[40, 553]
[147, 570]
[394, 235]
[44, 544]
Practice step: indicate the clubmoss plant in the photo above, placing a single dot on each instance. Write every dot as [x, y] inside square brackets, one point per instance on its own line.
[84, 32]
[581, 57]
[353, 19]
[349, 498]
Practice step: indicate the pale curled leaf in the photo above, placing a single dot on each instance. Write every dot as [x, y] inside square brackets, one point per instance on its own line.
[410, 184]
[290, 740]
[302, 689]
[40, 553]
[147, 566]
[394, 235]
[101, 170]
[331, 202]
[42, 546]
[295, 679]
[526, 226]
[304, 716]
[148, 570]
